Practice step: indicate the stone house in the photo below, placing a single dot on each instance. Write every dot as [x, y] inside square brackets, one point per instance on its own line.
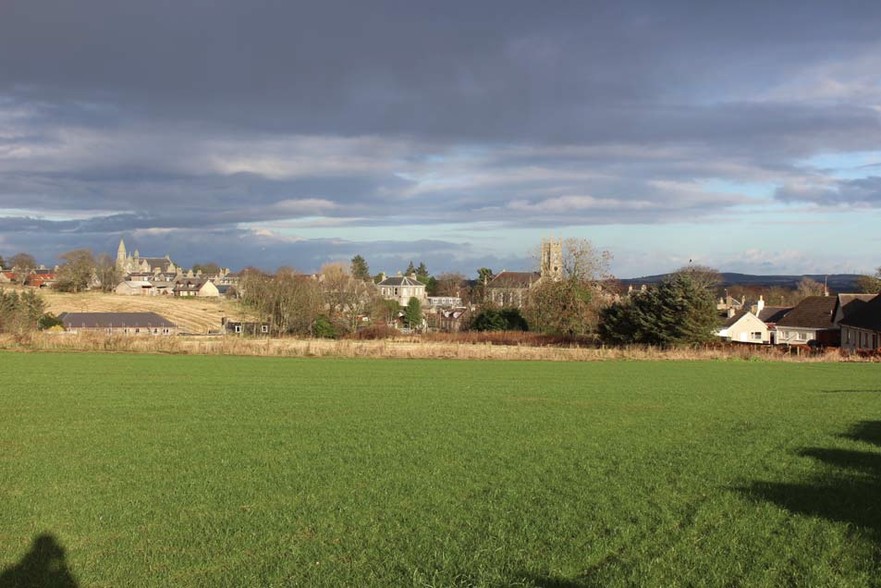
[187, 287]
[135, 288]
[401, 289]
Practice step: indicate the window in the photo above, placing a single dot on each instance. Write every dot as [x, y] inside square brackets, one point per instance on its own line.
[264, 328]
[756, 335]
[238, 328]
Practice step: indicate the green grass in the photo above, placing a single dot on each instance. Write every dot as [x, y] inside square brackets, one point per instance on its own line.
[213, 471]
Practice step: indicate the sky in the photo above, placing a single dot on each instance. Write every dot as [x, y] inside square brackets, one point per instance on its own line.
[741, 135]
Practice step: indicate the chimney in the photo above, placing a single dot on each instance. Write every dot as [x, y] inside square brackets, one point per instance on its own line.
[760, 304]
[731, 312]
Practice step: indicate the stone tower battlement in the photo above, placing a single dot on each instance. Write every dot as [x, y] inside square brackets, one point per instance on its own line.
[552, 259]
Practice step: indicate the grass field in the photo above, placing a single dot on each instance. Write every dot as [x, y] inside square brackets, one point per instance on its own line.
[214, 471]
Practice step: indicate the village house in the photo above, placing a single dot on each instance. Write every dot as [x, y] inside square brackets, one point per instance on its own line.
[254, 329]
[401, 289]
[186, 287]
[811, 321]
[758, 325]
[449, 320]
[861, 329]
[135, 288]
[41, 278]
[117, 323]
[435, 302]
[847, 304]
[745, 327]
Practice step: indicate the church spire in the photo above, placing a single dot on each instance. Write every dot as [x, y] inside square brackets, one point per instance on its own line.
[120, 255]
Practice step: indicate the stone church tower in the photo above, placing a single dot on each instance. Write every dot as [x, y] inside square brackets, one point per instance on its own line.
[552, 259]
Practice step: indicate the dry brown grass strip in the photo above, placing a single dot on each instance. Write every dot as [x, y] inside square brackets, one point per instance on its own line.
[400, 348]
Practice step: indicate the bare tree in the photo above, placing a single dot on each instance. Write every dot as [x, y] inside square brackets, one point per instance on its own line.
[23, 264]
[870, 284]
[703, 276]
[451, 284]
[808, 287]
[346, 297]
[106, 272]
[570, 305]
[77, 272]
[290, 301]
[584, 262]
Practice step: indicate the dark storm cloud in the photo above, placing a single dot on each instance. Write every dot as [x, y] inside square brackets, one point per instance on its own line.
[497, 70]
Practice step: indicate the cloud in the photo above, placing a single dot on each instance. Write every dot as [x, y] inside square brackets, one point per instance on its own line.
[250, 121]
[863, 192]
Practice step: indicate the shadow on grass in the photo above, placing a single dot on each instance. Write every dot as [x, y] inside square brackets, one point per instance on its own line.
[42, 566]
[868, 431]
[848, 493]
[535, 581]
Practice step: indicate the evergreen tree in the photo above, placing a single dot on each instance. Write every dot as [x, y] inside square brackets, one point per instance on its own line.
[359, 269]
[413, 313]
[499, 319]
[680, 310]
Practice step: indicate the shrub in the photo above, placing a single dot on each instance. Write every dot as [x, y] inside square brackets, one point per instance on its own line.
[323, 328]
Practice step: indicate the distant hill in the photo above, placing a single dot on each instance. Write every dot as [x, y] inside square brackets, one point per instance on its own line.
[835, 282]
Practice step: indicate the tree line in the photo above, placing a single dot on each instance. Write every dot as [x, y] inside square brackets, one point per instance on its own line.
[24, 312]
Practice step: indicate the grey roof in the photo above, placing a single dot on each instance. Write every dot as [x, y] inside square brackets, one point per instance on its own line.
[161, 262]
[867, 316]
[514, 280]
[99, 320]
[814, 312]
[400, 281]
